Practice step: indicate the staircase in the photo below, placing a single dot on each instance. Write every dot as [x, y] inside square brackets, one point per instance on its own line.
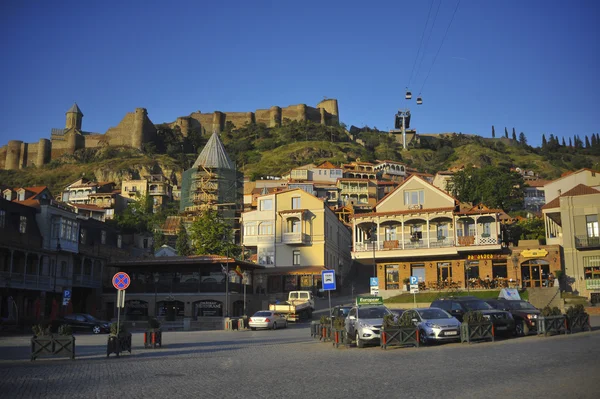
[546, 296]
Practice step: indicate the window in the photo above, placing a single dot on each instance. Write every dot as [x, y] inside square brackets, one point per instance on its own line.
[63, 268]
[295, 226]
[2, 219]
[413, 198]
[250, 230]
[145, 243]
[23, 224]
[119, 241]
[296, 203]
[265, 229]
[486, 228]
[591, 222]
[390, 233]
[392, 280]
[296, 258]
[82, 236]
[442, 231]
[266, 205]
[416, 233]
[103, 237]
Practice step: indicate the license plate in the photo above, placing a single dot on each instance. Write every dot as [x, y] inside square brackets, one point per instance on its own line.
[451, 332]
[501, 328]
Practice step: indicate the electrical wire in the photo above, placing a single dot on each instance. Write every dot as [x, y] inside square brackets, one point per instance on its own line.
[420, 45]
[439, 48]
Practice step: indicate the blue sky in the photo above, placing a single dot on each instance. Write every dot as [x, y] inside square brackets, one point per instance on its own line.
[531, 65]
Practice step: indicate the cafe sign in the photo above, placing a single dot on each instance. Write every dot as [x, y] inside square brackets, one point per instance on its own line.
[534, 253]
[482, 256]
[369, 300]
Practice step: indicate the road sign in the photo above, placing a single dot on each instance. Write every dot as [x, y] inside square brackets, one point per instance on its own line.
[121, 280]
[121, 298]
[414, 288]
[414, 280]
[65, 301]
[375, 291]
[328, 278]
[67, 294]
[374, 282]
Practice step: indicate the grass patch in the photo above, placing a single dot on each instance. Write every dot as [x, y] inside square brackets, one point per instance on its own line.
[432, 296]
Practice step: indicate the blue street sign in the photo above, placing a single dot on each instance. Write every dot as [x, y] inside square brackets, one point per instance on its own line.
[328, 279]
[414, 280]
[374, 282]
[66, 294]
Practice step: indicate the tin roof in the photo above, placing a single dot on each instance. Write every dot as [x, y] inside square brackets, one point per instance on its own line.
[213, 155]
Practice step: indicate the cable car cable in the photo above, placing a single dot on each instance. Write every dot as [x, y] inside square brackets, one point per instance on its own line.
[439, 48]
[420, 45]
[427, 40]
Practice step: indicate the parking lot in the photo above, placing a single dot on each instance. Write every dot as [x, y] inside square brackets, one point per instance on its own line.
[288, 362]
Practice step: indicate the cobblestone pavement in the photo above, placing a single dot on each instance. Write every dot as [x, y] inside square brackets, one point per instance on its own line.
[288, 363]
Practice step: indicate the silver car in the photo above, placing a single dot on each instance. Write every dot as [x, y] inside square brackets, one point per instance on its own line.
[435, 324]
[267, 319]
[363, 324]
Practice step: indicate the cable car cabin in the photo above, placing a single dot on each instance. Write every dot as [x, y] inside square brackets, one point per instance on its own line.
[408, 95]
[419, 101]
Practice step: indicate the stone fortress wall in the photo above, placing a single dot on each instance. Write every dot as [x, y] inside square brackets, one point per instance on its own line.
[136, 128]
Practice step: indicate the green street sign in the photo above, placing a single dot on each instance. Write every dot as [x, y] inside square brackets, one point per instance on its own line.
[369, 300]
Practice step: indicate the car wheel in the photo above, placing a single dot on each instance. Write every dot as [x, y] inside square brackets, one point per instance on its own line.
[423, 338]
[253, 328]
[96, 330]
[274, 326]
[521, 329]
[359, 342]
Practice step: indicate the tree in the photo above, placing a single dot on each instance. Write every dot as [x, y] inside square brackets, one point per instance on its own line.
[527, 229]
[587, 142]
[514, 135]
[544, 142]
[183, 241]
[211, 235]
[158, 240]
[522, 139]
[138, 216]
[493, 132]
[505, 132]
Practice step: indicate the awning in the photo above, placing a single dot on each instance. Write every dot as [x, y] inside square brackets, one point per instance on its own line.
[292, 270]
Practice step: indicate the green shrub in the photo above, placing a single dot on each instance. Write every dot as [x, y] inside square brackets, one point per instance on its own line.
[65, 329]
[153, 322]
[389, 320]
[339, 323]
[405, 321]
[41, 330]
[473, 316]
[325, 320]
[575, 310]
[113, 328]
[548, 311]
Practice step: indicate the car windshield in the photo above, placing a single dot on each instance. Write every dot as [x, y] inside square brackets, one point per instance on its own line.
[344, 311]
[430, 314]
[477, 305]
[372, 313]
[262, 314]
[90, 317]
[521, 305]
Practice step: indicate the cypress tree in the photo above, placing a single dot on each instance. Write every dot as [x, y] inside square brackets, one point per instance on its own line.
[493, 132]
[505, 132]
[544, 142]
[183, 243]
[514, 135]
[563, 142]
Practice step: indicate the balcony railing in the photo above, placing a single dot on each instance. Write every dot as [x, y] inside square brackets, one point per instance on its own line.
[418, 243]
[582, 242]
[295, 238]
[26, 281]
[86, 281]
[592, 284]
[255, 240]
[179, 287]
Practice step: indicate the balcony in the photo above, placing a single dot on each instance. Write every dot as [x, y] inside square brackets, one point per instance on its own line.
[585, 242]
[592, 284]
[26, 281]
[295, 238]
[80, 280]
[251, 241]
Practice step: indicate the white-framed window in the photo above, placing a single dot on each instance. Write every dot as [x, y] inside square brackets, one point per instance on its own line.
[416, 232]
[2, 218]
[266, 205]
[486, 228]
[265, 229]
[250, 229]
[296, 258]
[295, 202]
[591, 222]
[442, 230]
[23, 224]
[266, 256]
[294, 225]
[390, 233]
[414, 197]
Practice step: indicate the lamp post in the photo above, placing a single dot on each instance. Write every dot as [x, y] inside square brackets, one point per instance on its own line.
[156, 276]
[373, 243]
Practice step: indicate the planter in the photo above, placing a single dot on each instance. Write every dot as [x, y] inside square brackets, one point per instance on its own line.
[53, 345]
[476, 332]
[315, 327]
[152, 338]
[579, 322]
[549, 325]
[340, 337]
[119, 343]
[399, 336]
[325, 332]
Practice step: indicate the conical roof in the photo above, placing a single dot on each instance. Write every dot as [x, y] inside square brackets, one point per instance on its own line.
[75, 109]
[213, 155]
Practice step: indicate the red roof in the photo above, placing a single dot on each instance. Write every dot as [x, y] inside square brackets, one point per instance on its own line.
[33, 203]
[88, 207]
[580, 189]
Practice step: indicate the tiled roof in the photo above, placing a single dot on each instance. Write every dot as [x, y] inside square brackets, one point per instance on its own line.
[580, 189]
[406, 212]
[33, 203]
[213, 155]
[537, 183]
[172, 224]
[88, 207]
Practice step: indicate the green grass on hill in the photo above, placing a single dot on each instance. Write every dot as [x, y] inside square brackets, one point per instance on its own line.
[432, 296]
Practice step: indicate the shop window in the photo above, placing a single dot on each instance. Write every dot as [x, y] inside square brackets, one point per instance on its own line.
[499, 269]
[392, 277]
[444, 271]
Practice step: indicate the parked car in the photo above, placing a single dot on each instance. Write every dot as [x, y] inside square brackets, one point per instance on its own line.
[524, 313]
[397, 313]
[82, 322]
[364, 324]
[341, 311]
[435, 325]
[457, 306]
[267, 319]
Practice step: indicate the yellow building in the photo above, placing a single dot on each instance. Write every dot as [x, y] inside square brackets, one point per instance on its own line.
[296, 236]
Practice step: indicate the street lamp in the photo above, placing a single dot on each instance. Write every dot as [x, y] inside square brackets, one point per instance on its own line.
[156, 278]
[373, 243]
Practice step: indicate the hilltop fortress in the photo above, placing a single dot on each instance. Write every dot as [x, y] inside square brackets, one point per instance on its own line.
[136, 128]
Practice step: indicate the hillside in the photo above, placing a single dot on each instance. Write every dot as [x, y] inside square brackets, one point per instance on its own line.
[260, 151]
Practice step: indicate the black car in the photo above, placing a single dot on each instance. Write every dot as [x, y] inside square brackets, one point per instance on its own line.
[340, 311]
[524, 313]
[83, 322]
[457, 306]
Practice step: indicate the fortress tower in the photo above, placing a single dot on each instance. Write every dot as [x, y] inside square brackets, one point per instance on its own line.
[74, 117]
